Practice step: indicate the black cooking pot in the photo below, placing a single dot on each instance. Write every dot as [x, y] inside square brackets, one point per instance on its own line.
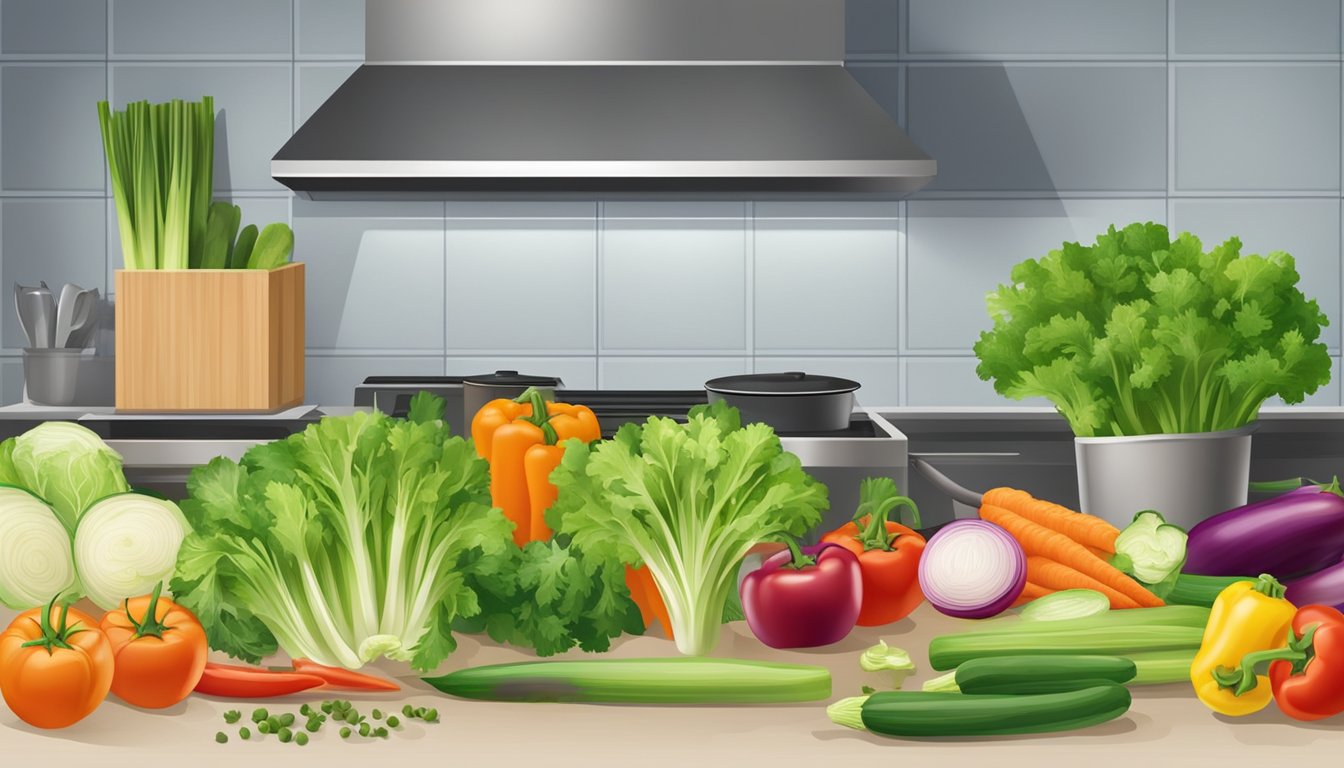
[479, 390]
[790, 402]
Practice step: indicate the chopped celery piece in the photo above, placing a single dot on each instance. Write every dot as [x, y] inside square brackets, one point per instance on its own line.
[1066, 604]
[1155, 548]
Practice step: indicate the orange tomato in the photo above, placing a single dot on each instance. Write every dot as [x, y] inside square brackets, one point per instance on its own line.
[160, 651]
[55, 666]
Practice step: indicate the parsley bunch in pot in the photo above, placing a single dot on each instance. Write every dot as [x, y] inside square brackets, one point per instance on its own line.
[1159, 353]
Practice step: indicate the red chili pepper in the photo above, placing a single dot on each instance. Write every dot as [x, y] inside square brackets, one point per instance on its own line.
[888, 553]
[1308, 676]
[339, 677]
[234, 682]
[803, 598]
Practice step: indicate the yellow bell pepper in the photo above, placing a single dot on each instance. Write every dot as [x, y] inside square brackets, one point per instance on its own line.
[1247, 616]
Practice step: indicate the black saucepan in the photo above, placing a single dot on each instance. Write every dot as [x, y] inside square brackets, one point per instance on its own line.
[790, 402]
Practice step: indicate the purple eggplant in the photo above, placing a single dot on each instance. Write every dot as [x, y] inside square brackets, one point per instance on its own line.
[1291, 535]
[1320, 588]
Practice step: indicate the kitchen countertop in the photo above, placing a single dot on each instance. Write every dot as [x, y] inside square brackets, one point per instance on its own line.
[1165, 725]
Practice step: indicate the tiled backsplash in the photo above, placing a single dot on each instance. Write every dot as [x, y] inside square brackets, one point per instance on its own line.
[1050, 119]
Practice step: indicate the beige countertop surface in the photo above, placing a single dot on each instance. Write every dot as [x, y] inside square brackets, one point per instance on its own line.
[1165, 726]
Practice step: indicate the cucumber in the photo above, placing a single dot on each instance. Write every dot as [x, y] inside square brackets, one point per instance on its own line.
[950, 651]
[1042, 674]
[640, 681]
[921, 714]
[1191, 589]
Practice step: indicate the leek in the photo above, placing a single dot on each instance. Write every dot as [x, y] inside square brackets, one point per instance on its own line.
[35, 561]
[127, 544]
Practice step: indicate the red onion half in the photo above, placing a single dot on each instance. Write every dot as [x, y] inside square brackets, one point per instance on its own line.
[972, 569]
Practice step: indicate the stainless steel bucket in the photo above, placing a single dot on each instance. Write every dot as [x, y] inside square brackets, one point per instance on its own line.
[1186, 477]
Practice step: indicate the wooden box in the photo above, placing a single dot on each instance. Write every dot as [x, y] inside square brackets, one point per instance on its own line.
[202, 340]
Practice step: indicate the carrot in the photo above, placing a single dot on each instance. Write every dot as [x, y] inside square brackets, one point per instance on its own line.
[1089, 530]
[1039, 540]
[1030, 592]
[1054, 577]
[1101, 553]
[337, 677]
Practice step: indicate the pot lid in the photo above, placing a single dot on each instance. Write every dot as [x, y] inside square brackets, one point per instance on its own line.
[511, 379]
[786, 383]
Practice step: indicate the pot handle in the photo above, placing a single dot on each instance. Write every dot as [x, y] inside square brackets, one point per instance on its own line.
[946, 484]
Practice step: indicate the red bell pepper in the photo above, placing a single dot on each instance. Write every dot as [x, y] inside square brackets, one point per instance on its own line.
[1309, 683]
[803, 598]
[888, 553]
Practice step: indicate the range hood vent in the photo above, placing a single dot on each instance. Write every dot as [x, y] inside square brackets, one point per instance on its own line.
[483, 98]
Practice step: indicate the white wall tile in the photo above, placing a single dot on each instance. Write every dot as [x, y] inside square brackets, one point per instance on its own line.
[55, 240]
[574, 372]
[872, 26]
[375, 274]
[1283, 27]
[666, 372]
[932, 381]
[253, 105]
[959, 251]
[522, 285]
[46, 27]
[314, 83]
[1308, 229]
[201, 28]
[827, 278]
[329, 28]
[331, 380]
[49, 137]
[1261, 127]
[673, 278]
[1030, 127]
[880, 377]
[1061, 27]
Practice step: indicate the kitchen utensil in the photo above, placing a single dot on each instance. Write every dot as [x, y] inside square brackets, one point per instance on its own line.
[85, 323]
[37, 314]
[51, 375]
[479, 390]
[792, 401]
[65, 313]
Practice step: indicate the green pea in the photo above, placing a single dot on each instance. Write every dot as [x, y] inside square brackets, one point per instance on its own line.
[364, 729]
[222, 737]
[313, 726]
[431, 715]
[232, 716]
[326, 707]
[381, 733]
[244, 734]
[301, 738]
[259, 714]
[287, 719]
[393, 721]
[264, 726]
[345, 733]
[408, 711]
[377, 714]
[285, 735]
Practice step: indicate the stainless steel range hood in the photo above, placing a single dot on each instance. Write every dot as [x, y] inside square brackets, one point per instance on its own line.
[479, 98]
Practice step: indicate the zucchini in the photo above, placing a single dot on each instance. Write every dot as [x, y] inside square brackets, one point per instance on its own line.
[1192, 589]
[950, 651]
[640, 681]
[923, 714]
[1041, 674]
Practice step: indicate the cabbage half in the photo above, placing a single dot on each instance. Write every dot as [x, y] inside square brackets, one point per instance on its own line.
[35, 559]
[65, 464]
[126, 545]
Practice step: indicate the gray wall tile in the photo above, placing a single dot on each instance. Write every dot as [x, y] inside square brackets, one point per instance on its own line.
[329, 28]
[885, 83]
[1064, 27]
[872, 26]
[827, 282]
[331, 380]
[675, 283]
[256, 210]
[931, 381]
[575, 372]
[1282, 27]
[1270, 127]
[49, 137]
[314, 83]
[959, 251]
[58, 241]
[375, 272]
[72, 27]
[253, 103]
[1042, 128]
[11, 380]
[880, 377]
[201, 28]
[1308, 229]
[666, 372]
[519, 285]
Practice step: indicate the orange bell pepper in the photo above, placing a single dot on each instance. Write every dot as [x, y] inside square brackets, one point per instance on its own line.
[522, 441]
